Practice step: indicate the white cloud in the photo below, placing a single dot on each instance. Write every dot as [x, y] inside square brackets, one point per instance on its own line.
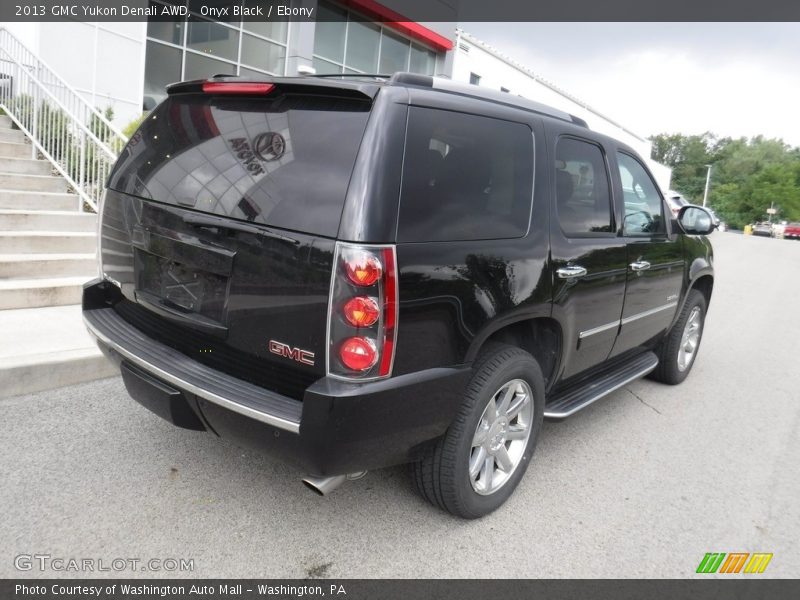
[689, 78]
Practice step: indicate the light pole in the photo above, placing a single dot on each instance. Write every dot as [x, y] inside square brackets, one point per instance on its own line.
[708, 181]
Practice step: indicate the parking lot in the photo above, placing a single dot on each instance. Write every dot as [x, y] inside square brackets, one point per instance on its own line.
[642, 483]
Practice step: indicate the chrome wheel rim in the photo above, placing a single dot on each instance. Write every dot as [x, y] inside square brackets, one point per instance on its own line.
[500, 439]
[690, 340]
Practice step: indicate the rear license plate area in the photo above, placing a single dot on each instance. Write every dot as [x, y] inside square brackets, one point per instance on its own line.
[182, 287]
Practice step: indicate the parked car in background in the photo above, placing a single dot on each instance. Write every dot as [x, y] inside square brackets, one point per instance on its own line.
[792, 231]
[762, 229]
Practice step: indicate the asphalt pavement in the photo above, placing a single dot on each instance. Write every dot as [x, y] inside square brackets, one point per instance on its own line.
[641, 484]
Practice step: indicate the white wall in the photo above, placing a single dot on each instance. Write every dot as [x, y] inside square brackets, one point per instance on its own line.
[27, 33]
[497, 71]
[104, 62]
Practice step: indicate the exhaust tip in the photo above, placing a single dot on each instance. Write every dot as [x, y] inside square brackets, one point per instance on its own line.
[312, 487]
[325, 485]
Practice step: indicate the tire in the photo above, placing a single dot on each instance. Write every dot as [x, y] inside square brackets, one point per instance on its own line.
[670, 369]
[443, 476]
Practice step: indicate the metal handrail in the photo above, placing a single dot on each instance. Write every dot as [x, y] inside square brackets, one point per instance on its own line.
[79, 141]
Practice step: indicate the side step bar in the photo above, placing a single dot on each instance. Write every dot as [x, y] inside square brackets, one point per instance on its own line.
[582, 393]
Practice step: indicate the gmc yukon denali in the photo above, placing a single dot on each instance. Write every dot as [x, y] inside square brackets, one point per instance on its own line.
[358, 272]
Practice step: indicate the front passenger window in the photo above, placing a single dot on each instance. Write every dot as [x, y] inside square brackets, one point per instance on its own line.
[644, 211]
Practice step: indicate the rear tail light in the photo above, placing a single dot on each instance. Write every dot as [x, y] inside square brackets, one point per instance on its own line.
[241, 88]
[358, 353]
[362, 319]
[363, 268]
[362, 311]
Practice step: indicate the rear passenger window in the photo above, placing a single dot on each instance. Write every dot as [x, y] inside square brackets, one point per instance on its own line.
[644, 210]
[583, 200]
[465, 177]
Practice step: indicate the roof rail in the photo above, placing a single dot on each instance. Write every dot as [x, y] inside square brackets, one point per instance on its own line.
[412, 79]
[579, 121]
[352, 75]
[474, 91]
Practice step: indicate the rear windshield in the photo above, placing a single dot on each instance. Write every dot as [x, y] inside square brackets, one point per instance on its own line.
[284, 161]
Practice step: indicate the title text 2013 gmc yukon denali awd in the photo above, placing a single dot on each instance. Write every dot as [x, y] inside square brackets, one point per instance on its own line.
[359, 272]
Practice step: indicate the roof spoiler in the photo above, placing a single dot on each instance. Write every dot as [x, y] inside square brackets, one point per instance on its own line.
[266, 85]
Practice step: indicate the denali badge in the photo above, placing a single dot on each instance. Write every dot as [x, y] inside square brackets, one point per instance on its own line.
[296, 354]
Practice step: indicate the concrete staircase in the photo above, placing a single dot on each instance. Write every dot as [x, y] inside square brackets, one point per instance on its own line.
[47, 251]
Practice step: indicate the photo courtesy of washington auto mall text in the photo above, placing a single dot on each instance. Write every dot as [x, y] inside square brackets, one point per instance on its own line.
[139, 590]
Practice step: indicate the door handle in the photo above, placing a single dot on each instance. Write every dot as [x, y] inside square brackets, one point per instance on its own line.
[640, 265]
[571, 272]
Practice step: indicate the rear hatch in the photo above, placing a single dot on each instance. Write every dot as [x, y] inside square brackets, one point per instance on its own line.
[220, 219]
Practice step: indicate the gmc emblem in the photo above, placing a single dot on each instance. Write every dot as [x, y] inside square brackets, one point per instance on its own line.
[296, 354]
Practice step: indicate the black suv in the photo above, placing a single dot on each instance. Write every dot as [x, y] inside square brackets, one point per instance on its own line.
[356, 273]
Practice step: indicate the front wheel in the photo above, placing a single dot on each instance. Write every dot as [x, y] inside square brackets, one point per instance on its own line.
[678, 351]
[477, 464]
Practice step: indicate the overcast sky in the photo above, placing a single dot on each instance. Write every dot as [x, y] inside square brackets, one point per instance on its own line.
[734, 79]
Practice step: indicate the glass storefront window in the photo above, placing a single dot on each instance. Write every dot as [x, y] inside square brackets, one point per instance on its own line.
[198, 66]
[166, 31]
[353, 46]
[196, 48]
[162, 67]
[329, 35]
[363, 40]
[245, 72]
[394, 53]
[213, 38]
[323, 67]
[274, 30]
[422, 61]
[262, 54]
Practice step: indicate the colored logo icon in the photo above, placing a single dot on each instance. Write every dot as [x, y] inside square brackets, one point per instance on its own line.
[734, 562]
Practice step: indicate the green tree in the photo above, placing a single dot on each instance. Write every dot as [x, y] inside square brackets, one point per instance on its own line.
[748, 176]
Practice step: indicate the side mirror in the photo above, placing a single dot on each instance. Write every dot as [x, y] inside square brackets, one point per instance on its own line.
[695, 220]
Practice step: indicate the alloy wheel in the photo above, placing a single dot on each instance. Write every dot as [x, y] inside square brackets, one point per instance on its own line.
[690, 339]
[501, 437]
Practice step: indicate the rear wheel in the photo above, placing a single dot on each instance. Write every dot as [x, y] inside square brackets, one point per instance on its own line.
[475, 467]
[677, 352]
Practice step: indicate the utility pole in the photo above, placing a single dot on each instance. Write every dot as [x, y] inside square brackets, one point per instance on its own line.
[708, 181]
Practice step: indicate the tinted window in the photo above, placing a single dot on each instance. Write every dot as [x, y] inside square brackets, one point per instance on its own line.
[465, 178]
[644, 212]
[583, 201]
[284, 161]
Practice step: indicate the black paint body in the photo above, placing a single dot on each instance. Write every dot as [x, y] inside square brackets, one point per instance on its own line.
[273, 283]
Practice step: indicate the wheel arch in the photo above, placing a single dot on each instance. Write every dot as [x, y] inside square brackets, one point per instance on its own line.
[542, 337]
[705, 285]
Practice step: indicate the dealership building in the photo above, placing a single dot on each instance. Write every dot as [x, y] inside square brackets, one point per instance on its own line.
[126, 65]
